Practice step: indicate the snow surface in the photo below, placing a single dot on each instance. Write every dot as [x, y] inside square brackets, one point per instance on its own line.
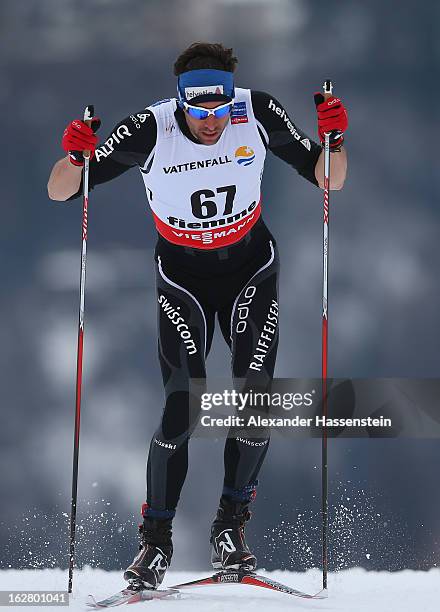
[353, 590]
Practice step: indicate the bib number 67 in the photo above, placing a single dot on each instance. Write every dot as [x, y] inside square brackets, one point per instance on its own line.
[203, 207]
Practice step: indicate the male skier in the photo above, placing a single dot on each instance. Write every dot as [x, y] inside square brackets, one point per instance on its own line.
[201, 156]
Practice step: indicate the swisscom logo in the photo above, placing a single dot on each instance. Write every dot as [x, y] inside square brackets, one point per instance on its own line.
[244, 156]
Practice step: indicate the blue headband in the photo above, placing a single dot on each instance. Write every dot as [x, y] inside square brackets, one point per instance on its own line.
[212, 83]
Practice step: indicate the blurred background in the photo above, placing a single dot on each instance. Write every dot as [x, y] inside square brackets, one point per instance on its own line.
[56, 56]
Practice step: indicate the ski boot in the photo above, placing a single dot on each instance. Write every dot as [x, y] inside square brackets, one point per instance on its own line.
[155, 551]
[229, 548]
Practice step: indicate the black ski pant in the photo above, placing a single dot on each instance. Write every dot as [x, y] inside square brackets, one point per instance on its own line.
[239, 285]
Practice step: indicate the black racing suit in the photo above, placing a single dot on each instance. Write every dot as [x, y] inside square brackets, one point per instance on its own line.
[196, 285]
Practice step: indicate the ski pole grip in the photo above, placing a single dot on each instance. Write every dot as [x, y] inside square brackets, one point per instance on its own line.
[328, 89]
[89, 111]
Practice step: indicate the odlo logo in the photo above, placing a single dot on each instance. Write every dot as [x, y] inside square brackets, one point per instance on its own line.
[243, 309]
[244, 156]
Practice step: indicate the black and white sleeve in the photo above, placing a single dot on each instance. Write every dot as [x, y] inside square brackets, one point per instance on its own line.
[280, 134]
[131, 143]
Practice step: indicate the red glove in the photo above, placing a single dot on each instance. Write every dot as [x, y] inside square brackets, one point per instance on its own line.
[79, 137]
[332, 117]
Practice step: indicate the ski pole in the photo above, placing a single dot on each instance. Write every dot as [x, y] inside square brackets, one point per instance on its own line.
[88, 115]
[328, 89]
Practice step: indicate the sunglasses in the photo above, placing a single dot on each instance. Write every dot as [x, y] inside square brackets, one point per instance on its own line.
[203, 113]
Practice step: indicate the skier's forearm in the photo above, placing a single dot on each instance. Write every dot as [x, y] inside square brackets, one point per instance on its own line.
[64, 180]
[338, 169]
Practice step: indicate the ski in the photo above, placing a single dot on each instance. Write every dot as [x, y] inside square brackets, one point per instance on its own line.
[133, 595]
[130, 596]
[250, 578]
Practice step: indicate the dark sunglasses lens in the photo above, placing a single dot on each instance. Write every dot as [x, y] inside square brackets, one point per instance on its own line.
[197, 113]
[223, 111]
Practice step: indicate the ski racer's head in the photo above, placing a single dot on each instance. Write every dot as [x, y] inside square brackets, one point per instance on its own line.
[205, 86]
